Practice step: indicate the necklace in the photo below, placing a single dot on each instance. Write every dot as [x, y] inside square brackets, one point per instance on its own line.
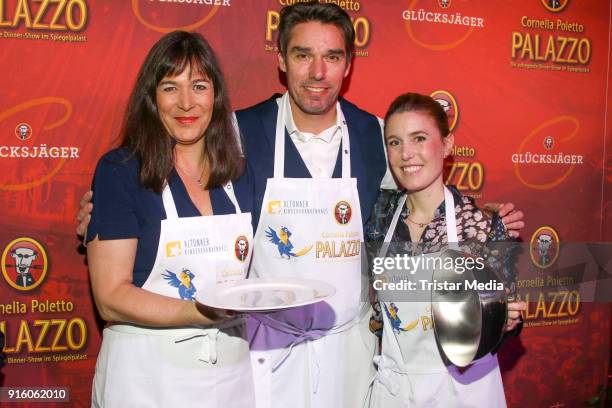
[420, 224]
[189, 176]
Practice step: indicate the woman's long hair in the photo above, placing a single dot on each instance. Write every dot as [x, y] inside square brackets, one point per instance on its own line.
[143, 131]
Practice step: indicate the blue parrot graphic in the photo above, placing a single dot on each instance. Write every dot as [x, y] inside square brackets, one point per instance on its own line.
[184, 283]
[285, 247]
[396, 322]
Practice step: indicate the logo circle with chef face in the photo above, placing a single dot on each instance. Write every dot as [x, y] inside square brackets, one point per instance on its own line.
[450, 106]
[24, 263]
[544, 247]
[241, 248]
[549, 142]
[343, 212]
[23, 131]
[555, 5]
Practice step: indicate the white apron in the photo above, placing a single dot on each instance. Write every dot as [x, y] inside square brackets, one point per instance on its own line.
[411, 372]
[203, 366]
[319, 355]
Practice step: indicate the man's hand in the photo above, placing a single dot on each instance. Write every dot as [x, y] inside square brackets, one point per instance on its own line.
[84, 215]
[512, 219]
[514, 314]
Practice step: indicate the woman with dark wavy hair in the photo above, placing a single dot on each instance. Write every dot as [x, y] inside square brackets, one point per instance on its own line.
[168, 222]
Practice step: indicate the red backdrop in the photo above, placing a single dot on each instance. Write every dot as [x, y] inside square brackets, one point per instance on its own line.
[526, 82]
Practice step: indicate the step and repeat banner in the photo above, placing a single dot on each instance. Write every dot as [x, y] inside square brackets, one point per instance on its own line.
[525, 85]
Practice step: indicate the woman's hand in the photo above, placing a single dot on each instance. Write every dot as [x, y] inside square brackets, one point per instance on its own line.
[514, 314]
[110, 270]
[215, 315]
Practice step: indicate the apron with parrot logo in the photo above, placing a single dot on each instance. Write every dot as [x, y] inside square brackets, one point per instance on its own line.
[184, 366]
[309, 228]
[411, 371]
[284, 245]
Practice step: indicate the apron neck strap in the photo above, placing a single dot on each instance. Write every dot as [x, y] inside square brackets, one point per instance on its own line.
[400, 206]
[451, 222]
[284, 111]
[170, 206]
[345, 147]
[396, 215]
[229, 190]
[451, 219]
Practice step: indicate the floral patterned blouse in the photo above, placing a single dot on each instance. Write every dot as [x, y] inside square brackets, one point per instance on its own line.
[477, 230]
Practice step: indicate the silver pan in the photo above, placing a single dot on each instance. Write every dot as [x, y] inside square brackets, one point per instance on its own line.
[468, 322]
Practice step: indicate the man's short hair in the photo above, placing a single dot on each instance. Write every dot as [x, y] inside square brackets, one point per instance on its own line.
[324, 13]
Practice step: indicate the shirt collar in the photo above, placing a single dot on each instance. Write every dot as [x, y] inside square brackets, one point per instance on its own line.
[327, 135]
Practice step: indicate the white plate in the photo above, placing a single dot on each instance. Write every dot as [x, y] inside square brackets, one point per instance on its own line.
[265, 294]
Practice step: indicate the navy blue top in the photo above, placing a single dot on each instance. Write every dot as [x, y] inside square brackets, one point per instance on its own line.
[123, 208]
[368, 163]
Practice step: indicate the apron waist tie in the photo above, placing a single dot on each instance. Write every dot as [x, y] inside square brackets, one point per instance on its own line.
[302, 336]
[386, 369]
[208, 348]
[452, 385]
[305, 336]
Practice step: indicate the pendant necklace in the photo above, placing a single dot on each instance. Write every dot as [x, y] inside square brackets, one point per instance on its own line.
[420, 224]
[189, 176]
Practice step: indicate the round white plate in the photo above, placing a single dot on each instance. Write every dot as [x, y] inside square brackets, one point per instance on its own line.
[265, 294]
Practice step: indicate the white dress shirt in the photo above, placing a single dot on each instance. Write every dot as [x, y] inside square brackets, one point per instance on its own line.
[320, 156]
[320, 152]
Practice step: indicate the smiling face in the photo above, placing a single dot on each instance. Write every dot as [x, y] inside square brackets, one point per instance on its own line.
[185, 105]
[416, 150]
[316, 63]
